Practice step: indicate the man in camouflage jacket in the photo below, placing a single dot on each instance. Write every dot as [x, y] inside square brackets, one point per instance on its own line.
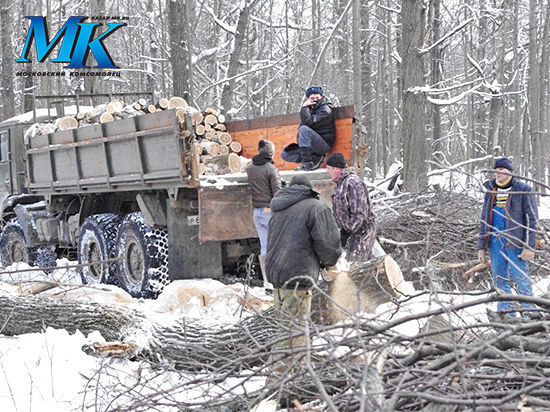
[352, 210]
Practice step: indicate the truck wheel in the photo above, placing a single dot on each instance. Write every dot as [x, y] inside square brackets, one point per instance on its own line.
[142, 268]
[96, 243]
[13, 248]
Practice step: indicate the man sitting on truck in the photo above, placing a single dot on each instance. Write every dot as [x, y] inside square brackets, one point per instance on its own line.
[316, 134]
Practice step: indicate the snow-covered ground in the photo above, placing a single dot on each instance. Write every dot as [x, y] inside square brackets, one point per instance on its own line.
[49, 371]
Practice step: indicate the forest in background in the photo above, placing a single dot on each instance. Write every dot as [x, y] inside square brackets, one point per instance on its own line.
[438, 82]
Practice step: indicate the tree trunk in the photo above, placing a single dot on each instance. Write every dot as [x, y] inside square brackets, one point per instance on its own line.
[415, 148]
[436, 63]
[533, 93]
[181, 17]
[357, 138]
[233, 67]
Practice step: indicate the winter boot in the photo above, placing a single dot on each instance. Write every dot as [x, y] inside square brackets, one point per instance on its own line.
[307, 159]
[317, 160]
[267, 286]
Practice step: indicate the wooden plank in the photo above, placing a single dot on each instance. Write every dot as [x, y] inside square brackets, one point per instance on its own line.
[343, 112]
[282, 136]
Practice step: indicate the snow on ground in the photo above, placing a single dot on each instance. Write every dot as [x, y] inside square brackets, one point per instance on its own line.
[49, 371]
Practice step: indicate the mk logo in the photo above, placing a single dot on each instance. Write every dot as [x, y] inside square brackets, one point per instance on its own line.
[77, 43]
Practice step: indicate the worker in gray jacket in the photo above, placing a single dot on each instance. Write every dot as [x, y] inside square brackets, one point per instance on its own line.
[264, 182]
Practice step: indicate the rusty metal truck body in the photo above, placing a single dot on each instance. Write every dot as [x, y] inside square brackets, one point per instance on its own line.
[126, 195]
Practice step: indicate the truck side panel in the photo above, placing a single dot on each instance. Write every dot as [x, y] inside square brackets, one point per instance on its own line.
[282, 130]
[227, 214]
[139, 153]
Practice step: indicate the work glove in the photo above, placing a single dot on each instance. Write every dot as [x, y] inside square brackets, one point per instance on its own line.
[481, 255]
[526, 254]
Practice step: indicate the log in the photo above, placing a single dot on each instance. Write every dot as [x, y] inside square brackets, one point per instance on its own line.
[186, 344]
[106, 117]
[196, 118]
[46, 128]
[210, 134]
[199, 130]
[67, 122]
[220, 127]
[234, 163]
[114, 106]
[180, 113]
[211, 148]
[235, 147]
[210, 119]
[177, 102]
[224, 138]
[202, 169]
[221, 164]
[224, 149]
[142, 102]
[196, 148]
[162, 103]
[212, 111]
[361, 289]
[138, 106]
[221, 119]
[150, 108]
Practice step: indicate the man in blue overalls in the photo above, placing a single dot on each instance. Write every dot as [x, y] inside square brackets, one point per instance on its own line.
[508, 223]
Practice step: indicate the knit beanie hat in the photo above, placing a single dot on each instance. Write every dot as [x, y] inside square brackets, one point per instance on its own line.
[265, 147]
[314, 89]
[505, 163]
[337, 160]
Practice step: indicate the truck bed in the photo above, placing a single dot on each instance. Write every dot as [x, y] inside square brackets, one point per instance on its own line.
[138, 153]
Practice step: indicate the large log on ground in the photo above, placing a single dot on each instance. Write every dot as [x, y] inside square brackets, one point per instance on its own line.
[186, 344]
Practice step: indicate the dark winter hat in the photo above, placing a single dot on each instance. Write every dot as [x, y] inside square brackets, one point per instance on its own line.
[505, 163]
[300, 180]
[314, 89]
[266, 147]
[337, 160]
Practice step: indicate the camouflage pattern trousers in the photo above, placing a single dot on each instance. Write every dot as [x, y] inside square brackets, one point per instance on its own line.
[359, 245]
[292, 309]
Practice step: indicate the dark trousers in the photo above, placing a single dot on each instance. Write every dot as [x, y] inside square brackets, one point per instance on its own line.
[307, 138]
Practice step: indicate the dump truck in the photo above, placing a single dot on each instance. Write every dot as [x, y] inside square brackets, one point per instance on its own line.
[127, 199]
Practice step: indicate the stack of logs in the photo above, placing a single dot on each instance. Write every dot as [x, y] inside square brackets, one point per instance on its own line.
[215, 150]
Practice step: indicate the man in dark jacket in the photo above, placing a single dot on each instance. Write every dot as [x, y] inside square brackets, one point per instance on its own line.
[352, 210]
[508, 223]
[316, 133]
[264, 181]
[302, 238]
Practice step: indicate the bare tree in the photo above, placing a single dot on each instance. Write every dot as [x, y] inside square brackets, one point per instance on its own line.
[415, 147]
[181, 17]
[233, 67]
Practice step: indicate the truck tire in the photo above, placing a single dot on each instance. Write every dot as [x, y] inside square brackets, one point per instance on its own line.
[142, 268]
[13, 248]
[97, 242]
